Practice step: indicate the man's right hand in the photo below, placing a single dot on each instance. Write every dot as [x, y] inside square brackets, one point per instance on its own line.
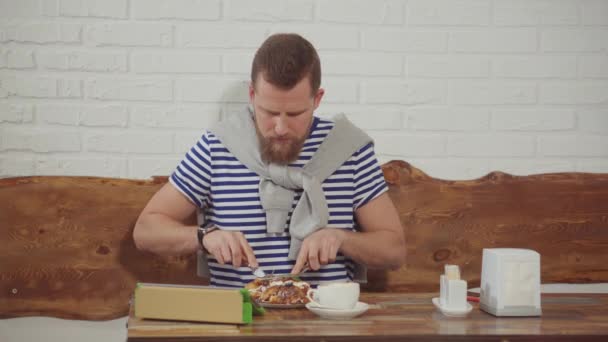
[230, 247]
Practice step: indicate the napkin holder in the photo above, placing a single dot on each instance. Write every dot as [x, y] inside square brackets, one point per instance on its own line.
[452, 289]
[452, 299]
[510, 282]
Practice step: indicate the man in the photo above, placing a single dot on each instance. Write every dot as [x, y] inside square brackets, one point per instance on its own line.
[362, 224]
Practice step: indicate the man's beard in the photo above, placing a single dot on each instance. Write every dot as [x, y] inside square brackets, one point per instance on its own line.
[281, 153]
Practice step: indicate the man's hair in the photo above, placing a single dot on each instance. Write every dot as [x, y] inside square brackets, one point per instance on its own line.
[284, 59]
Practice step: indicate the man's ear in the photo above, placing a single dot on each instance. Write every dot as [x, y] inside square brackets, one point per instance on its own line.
[251, 93]
[319, 96]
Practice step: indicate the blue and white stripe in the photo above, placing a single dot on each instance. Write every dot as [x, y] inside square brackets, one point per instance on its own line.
[227, 191]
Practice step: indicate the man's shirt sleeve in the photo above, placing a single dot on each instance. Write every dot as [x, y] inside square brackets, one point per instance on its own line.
[192, 177]
[369, 179]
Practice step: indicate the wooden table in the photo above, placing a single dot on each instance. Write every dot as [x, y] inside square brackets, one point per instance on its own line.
[397, 317]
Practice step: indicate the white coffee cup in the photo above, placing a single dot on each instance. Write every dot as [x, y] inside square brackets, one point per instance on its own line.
[341, 296]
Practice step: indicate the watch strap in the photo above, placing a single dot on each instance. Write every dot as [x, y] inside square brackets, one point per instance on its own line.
[203, 230]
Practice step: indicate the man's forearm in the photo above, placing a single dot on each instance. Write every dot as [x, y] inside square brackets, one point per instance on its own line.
[162, 235]
[378, 249]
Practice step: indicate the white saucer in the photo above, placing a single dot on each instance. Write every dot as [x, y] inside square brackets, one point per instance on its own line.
[359, 308]
[452, 312]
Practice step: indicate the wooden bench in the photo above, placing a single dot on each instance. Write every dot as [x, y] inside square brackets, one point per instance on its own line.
[67, 247]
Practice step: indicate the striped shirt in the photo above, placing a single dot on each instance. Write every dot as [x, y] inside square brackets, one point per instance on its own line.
[227, 193]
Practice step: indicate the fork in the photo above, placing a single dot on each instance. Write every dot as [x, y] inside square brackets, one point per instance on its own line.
[258, 272]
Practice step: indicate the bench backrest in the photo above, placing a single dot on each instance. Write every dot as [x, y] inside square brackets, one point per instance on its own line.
[67, 247]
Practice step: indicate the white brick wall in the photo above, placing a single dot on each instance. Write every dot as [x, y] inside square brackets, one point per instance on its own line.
[123, 88]
[269, 10]
[176, 9]
[385, 12]
[93, 8]
[83, 60]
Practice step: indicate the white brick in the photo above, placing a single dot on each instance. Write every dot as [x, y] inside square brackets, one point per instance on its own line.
[533, 119]
[574, 40]
[401, 144]
[100, 167]
[83, 60]
[212, 90]
[59, 114]
[200, 117]
[40, 140]
[523, 167]
[534, 67]
[176, 9]
[93, 8]
[49, 8]
[140, 168]
[16, 113]
[574, 93]
[185, 140]
[323, 36]
[16, 166]
[339, 91]
[491, 145]
[362, 64]
[114, 116]
[386, 12]
[593, 66]
[19, 8]
[41, 33]
[448, 12]
[130, 89]
[448, 67]
[33, 86]
[182, 62]
[593, 120]
[495, 40]
[594, 12]
[452, 168]
[406, 41]
[536, 12]
[366, 118]
[7, 83]
[573, 146]
[43, 86]
[447, 119]
[492, 93]
[269, 10]
[130, 34]
[238, 63]
[85, 115]
[593, 165]
[130, 142]
[405, 93]
[68, 88]
[224, 36]
[20, 59]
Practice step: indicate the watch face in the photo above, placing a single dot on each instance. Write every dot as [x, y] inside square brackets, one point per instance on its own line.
[200, 233]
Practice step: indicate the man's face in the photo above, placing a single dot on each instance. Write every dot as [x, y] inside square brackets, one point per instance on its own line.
[282, 118]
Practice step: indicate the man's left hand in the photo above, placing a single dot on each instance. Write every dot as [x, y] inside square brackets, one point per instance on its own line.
[320, 248]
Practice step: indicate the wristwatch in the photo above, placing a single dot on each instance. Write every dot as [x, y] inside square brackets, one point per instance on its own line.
[203, 230]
